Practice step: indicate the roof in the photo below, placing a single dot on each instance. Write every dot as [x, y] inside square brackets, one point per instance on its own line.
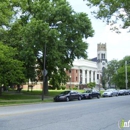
[94, 59]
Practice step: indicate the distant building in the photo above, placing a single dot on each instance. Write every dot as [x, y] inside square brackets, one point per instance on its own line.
[85, 71]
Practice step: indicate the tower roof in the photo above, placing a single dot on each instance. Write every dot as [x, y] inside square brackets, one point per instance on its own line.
[101, 47]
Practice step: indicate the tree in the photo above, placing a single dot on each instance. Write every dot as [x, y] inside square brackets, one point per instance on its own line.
[112, 11]
[13, 38]
[112, 68]
[64, 42]
[11, 70]
[119, 78]
[115, 72]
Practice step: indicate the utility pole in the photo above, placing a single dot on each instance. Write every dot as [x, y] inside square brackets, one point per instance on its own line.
[126, 80]
[53, 26]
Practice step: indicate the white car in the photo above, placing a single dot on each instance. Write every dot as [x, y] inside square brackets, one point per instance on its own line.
[110, 93]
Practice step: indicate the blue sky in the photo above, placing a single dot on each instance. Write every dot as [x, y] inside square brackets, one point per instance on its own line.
[117, 44]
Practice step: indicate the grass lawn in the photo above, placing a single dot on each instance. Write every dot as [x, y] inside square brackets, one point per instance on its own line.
[24, 97]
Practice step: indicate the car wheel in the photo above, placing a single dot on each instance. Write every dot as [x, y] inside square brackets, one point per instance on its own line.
[67, 99]
[98, 96]
[90, 97]
[79, 98]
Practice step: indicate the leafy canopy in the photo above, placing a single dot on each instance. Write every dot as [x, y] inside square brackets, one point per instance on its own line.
[112, 11]
[11, 70]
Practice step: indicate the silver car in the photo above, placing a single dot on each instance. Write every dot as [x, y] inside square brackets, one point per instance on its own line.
[110, 93]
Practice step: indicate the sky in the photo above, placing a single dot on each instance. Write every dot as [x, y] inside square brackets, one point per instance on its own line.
[117, 44]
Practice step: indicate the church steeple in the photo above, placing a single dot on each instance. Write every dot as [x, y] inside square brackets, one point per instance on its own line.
[101, 56]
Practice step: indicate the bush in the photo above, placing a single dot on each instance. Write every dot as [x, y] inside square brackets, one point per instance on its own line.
[58, 87]
[63, 87]
[75, 88]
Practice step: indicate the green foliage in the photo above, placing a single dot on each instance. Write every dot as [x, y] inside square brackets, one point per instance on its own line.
[6, 12]
[36, 26]
[75, 88]
[11, 70]
[66, 38]
[91, 85]
[122, 72]
[63, 87]
[115, 73]
[111, 69]
[112, 11]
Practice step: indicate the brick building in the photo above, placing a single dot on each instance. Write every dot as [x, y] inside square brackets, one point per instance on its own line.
[85, 71]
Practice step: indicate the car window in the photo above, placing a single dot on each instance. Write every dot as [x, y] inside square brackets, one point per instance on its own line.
[88, 91]
[65, 92]
[73, 92]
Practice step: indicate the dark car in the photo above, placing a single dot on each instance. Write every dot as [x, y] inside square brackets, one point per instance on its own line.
[67, 96]
[121, 92]
[89, 94]
[124, 92]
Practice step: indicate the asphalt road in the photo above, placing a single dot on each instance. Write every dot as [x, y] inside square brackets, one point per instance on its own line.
[95, 114]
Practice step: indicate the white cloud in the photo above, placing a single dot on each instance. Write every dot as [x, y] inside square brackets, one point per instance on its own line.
[117, 44]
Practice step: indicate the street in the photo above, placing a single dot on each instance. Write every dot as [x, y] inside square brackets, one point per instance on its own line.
[95, 114]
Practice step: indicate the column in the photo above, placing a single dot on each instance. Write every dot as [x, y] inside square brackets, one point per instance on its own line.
[83, 76]
[95, 77]
[87, 76]
[79, 76]
[91, 76]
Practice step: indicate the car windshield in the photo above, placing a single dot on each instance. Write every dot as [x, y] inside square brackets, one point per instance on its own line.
[109, 90]
[88, 91]
[65, 92]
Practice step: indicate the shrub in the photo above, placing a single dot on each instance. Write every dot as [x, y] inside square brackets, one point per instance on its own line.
[58, 87]
[63, 87]
[75, 88]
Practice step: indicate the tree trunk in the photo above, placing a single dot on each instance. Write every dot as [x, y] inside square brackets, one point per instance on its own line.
[1, 89]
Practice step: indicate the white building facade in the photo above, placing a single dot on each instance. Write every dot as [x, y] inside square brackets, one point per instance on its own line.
[86, 71]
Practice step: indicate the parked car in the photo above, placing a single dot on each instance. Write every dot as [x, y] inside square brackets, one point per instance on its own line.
[124, 92]
[89, 94]
[127, 92]
[67, 96]
[121, 92]
[110, 93]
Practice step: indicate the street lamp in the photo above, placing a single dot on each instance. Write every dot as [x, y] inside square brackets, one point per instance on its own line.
[70, 81]
[53, 26]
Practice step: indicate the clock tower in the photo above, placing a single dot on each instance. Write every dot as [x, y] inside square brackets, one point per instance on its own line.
[101, 57]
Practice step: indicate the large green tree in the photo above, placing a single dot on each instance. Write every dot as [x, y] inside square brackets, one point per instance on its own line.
[34, 25]
[11, 69]
[112, 11]
[13, 37]
[64, 41]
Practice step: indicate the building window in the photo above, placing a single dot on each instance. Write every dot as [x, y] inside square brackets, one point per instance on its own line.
[102, 56]
[76, 78]
[97, 76]
[69, 71]
[98, 56]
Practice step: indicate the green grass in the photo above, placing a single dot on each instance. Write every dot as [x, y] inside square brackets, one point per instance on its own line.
[15, 98]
